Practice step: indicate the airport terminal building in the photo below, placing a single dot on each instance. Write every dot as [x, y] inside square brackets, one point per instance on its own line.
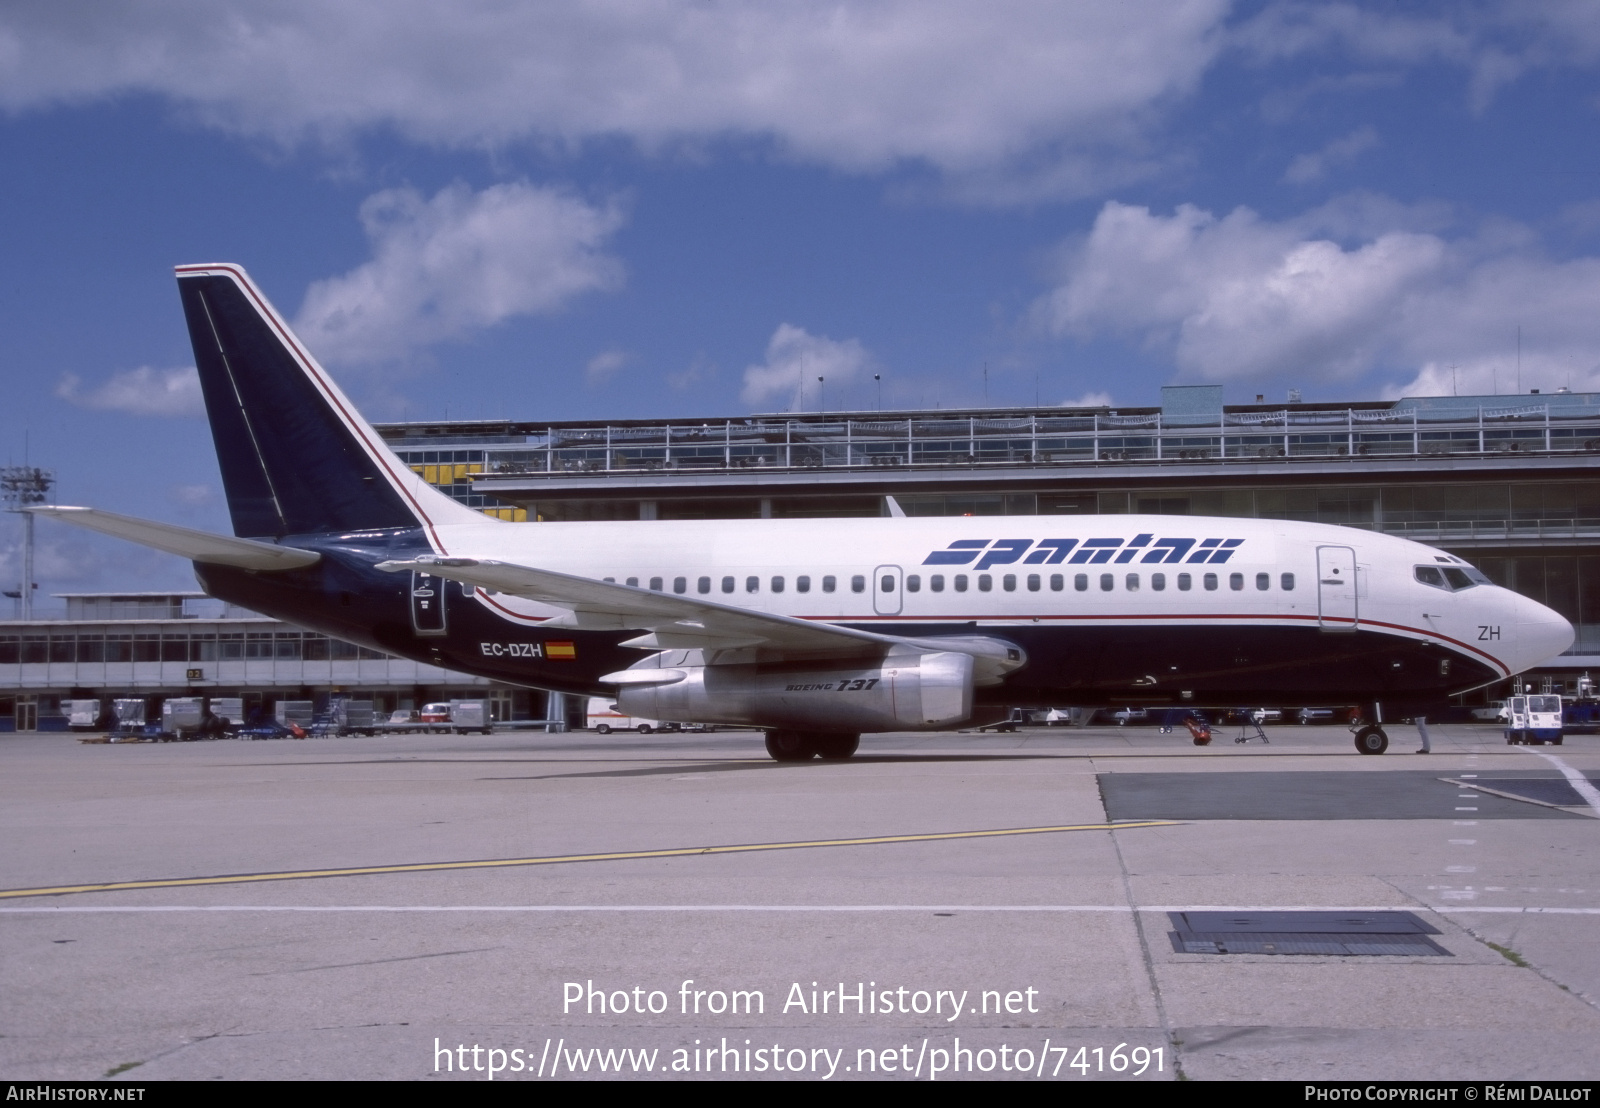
[1507, 482]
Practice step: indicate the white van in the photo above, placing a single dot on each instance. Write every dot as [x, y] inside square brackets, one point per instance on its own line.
[603, 718]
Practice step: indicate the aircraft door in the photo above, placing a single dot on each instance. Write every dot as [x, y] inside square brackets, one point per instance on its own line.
[887, 586]
[427, 603]
[1338, 606]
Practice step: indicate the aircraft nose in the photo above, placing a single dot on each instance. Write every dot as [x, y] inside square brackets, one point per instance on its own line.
[1542, 634]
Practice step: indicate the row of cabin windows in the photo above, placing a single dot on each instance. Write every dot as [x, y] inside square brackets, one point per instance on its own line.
[1034, 582]
[858, 583]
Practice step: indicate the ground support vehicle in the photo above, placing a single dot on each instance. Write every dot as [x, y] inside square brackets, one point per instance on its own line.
[1534, 720]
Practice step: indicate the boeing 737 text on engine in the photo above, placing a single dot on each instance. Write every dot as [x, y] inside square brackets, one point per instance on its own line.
[814, 630]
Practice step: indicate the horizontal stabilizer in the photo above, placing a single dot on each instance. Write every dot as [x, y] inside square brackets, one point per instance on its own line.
[199, 546]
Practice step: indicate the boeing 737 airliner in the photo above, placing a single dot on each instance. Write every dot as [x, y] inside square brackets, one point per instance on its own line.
[814, 630]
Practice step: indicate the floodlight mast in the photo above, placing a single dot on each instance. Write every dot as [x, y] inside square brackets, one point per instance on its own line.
[22, 487]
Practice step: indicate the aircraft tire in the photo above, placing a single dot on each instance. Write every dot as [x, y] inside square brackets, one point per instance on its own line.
[790, 746]
[1371, 740]
[834, 747]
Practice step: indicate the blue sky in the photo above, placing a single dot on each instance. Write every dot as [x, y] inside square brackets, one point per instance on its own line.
[688, 208]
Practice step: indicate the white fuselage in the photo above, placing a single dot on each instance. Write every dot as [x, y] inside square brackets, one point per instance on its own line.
[1026, 570]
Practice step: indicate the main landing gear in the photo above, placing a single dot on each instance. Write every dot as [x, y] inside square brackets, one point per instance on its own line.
[1371, 740]
[802, 746]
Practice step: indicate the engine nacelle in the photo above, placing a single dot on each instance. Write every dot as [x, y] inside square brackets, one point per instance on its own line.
[902, 692]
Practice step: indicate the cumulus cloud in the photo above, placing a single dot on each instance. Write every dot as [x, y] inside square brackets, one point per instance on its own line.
[1306, 168]
[1089, 400]
[142, 391]
[1008, 100]
[857, 85]
[1495, 41]
[795, 359]
[1243, 298]
[462, 261]
[604, 365]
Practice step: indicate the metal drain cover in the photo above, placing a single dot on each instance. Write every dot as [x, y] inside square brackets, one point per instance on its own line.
[1337, 933]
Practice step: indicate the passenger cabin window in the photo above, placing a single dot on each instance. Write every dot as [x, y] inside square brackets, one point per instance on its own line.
[1033, 582]
[752, 584]
[1080, 582]
[936, 582]
[886, 583]
[913, 583]
[1158, 581]
[961, 582]
[829, 583]
[727, 584]
[1009, 582]
[1057, 582]
[1287, 581]
[802, 584]
[680, 585]
[704, 584]
[858, 583]
[1263, 581]
[1210, 582]
[1236, 581]
[1107, 581]
[985, 582]
[1132, 582]
[777, 584]
[655, 583]
[1185, 582]
[634, 581]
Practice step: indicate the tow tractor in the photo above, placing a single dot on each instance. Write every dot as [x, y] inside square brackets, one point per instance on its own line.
[1533, 720]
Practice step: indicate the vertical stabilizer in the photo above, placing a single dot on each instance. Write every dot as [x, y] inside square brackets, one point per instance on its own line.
[296, 457]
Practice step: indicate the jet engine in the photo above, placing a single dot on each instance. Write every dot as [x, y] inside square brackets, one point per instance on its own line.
[898, 692]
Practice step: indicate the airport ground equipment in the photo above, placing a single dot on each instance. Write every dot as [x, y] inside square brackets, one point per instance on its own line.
[82, 715]
[603, 717]
[471, 715]
[1534, 720]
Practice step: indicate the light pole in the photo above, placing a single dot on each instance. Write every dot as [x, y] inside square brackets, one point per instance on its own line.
[22, 487]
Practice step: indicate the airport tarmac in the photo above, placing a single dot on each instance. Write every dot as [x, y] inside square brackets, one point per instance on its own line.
[1000, 905]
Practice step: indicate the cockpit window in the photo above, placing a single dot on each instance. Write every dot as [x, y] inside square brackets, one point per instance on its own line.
[1451, 578]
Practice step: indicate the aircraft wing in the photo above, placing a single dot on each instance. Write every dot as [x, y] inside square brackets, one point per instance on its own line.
[198, 546]
[673, 622]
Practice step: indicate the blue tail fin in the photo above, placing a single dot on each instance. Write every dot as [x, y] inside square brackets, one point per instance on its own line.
[296, 457]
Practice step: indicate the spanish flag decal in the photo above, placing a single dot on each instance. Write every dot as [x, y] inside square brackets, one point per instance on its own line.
[560, 651]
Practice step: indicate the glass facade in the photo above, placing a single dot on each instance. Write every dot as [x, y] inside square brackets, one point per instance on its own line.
[63, 646]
